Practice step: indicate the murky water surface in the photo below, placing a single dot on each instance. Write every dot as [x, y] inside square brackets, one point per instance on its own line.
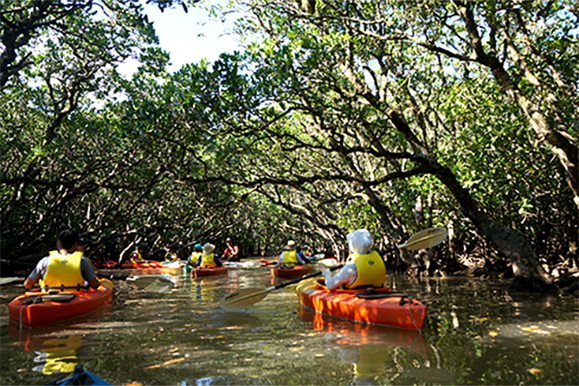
[474, 334]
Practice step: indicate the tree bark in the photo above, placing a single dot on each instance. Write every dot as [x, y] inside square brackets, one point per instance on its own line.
[562, 146]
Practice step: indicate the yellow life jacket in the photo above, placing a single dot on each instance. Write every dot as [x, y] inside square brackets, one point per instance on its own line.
[194, 257]
[63, 272]
[288, 258]
[371, 270]
[208, 260]
[134, 260]
[170, 256]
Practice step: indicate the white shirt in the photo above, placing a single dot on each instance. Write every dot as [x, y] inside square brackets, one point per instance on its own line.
[346, 275]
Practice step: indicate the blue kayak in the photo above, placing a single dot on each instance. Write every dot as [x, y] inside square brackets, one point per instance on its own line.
[80, 376]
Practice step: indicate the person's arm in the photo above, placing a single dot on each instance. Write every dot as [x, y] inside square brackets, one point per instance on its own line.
[299, 259]
[88, 274]
[36, 273]
[199, 259]
[94, 283]
[346, 275]
[279, 260]
[217, 261]
[29, 282]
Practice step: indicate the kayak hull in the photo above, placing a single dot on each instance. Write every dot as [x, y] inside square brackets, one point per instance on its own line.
[393, 310]
[208, 271]
[295, 271]
[23, 311]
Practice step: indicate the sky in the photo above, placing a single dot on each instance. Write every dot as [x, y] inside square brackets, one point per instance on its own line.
[188, 37]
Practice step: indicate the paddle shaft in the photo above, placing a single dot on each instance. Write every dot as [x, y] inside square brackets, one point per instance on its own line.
[111, 277]
[17, 262]
[304, 278]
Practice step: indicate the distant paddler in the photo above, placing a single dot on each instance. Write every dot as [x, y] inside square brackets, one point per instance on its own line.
[289, 257]
[208, 258]
[171, 255]
[136, 256]
[195, 255]
[231, 252]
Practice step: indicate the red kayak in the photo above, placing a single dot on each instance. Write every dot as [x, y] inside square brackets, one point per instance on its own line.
[377, 307]
[295, 271]
[35, 308]
[208, 271]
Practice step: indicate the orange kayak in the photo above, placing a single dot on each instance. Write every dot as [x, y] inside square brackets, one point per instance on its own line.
[35, 308]
[295, 271]
[208, 271]
[379, 307]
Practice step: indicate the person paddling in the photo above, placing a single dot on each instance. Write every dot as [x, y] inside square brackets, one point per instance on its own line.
[171, 255]
[136, 255]
[195, 255]
[289, 257]
[65, 268]
[208, 258]
[302, 255]
[231, 251]
[364, 267]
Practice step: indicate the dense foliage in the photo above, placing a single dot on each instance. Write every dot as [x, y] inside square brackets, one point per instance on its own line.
[393, 116]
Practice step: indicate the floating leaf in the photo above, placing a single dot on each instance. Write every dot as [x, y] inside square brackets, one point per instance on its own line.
[534, 371]
[493, 333]
[174, 361]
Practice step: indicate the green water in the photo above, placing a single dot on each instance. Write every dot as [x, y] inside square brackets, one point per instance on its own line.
[475, 335]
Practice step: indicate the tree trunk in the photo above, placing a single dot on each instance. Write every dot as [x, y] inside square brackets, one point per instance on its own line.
[561, 145]
[529, 274]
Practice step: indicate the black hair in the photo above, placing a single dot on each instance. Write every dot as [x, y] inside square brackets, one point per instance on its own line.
[66, 239]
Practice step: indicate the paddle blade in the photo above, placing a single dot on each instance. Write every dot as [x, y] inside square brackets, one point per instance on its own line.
[329, 262]
[9, 280]
[160, 286]
[425, 239]
[243, 299]
[147, 280]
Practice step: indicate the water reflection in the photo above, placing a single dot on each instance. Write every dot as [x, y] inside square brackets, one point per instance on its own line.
[377, 354]
[474, 334]
[55, 352]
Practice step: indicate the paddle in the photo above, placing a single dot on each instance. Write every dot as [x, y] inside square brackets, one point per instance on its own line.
[8, 280]
[247, 297]
[142, 281]
[149, 282]
[153, 283]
